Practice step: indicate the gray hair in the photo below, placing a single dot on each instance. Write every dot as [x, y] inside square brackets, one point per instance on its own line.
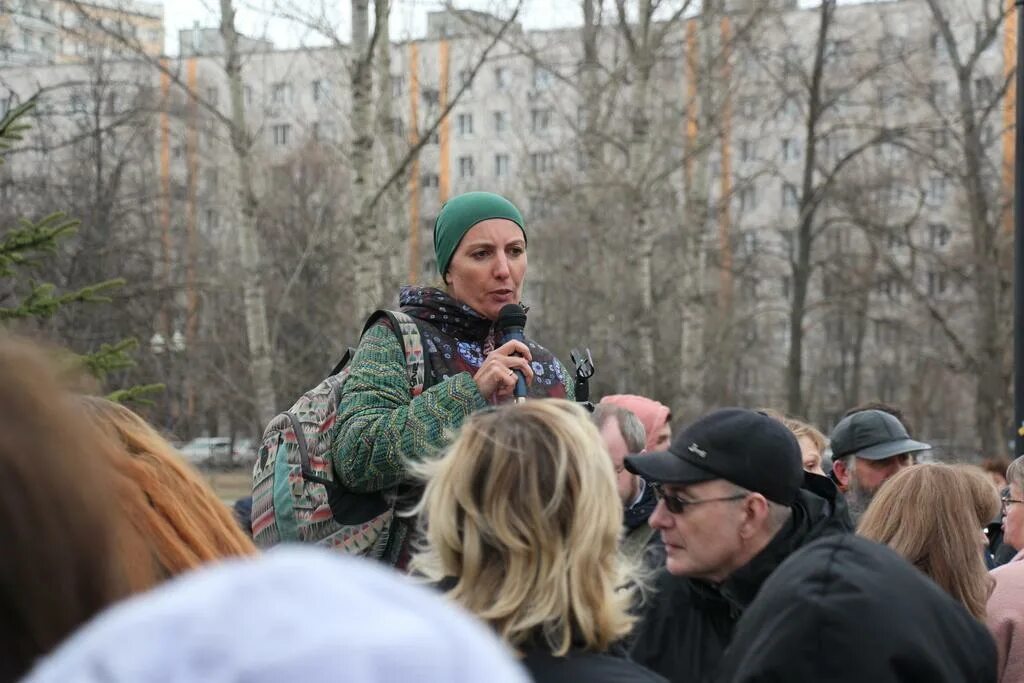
[1015, 473]
[632, 430]
[778, 514]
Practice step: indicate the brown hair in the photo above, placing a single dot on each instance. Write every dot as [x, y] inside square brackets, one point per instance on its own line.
[184, 523]
[59, 525]
[932, 515]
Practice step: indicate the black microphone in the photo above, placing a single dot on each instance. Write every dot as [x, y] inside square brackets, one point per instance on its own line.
[509, 326]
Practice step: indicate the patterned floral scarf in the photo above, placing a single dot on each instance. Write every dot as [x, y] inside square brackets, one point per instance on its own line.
[457, 339]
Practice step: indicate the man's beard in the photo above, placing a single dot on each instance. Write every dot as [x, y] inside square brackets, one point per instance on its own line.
[858, 499]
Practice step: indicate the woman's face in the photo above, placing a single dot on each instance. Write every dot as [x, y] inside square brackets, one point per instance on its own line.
[811, 455]
[489, 266]
[1013, 523]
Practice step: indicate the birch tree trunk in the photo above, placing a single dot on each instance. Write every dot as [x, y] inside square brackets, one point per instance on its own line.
[366, 266]
[261, 361]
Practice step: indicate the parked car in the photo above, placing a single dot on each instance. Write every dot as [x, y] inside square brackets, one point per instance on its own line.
[207, 451]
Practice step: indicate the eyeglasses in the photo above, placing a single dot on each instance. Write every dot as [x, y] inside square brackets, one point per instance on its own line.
[677, 505]
[1007, 501]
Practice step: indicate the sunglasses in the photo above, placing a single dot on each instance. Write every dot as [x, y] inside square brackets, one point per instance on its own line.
[677, 505]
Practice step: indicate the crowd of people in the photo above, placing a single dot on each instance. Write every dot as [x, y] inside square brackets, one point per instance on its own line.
[543, 540]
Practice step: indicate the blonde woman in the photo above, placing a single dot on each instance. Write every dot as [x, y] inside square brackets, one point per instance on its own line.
[522, 526]
[179, 518]
[812, 442]
[932, 515]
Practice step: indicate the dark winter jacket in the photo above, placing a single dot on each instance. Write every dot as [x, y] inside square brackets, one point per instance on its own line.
[688, 623]
[847, 610]
[591, 667]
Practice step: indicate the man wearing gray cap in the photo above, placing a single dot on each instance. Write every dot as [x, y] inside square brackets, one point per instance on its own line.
[869, 447]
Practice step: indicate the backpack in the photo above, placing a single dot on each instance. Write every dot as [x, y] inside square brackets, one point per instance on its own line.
[296, 497]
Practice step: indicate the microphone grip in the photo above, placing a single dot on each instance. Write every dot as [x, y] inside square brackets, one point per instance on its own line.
[516, 334]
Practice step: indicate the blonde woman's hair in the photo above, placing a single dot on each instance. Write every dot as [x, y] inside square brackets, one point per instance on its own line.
[522, 520]
[932, 515]
[178, 518]
[799, 428]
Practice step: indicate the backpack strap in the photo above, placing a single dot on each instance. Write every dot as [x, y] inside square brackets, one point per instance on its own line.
[408, 334]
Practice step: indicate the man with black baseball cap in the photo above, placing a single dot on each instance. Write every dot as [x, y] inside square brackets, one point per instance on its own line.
[734, 502]
[869, 447]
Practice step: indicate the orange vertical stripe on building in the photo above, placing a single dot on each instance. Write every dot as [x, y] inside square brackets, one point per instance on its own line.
[414, 172]
[690, 74]
[1009, 112]
[165, 196]
[445, 183]
[724, 214]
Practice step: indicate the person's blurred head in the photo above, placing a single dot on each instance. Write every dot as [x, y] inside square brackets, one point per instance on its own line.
[59, 523]
[933, 515]
[655, 417]
[1013, 505]
[996, 470]
[869, 447]
[181, 520]
[623, 435]
[725, 488]
[812, 442]
[250, 621]
[522, 523]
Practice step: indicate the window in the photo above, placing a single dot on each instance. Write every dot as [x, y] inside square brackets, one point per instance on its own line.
[77, 104]
[939, 139]
[748, 150]
[281, 132]
[542, 162]
[939, 235]
[790, 198]
[212, 220]
[540, 119]
[466, 80]
[211, 180]
[983, 90]
[431, 96]
[500, 78]
[281, 93]
[319, 90]
[748, 107]
[937, 93]
[464, 124]
[501, 165]
[500, 122]
[936, 283]
[315, 131]
[938, 47]
[748, 198]
[542, 78]
[211, 96]
[935, 194]
[430, 180]
[890, 46]
[838, 49]
[465, 167]
[397, 85]
[790, 149]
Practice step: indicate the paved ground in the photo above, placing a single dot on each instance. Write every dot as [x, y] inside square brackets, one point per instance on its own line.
[230, 485]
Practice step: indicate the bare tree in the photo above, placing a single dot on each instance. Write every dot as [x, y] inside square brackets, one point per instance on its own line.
[254, 301]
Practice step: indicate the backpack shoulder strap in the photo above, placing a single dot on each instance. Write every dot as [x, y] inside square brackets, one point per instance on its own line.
[408, 334]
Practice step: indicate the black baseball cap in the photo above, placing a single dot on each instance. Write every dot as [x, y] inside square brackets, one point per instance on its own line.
[872, 435]
[741, 446]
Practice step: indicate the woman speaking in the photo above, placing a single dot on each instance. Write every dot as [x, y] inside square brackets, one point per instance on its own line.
[480, 243]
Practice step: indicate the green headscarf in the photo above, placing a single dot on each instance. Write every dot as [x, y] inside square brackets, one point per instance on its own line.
[461, 213]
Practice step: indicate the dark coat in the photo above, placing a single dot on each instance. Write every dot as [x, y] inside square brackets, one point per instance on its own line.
[688, 623]
[639, 540]
[847, 610]
[583, 666]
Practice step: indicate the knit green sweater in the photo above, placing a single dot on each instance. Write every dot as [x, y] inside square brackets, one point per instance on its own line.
[380, 428]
